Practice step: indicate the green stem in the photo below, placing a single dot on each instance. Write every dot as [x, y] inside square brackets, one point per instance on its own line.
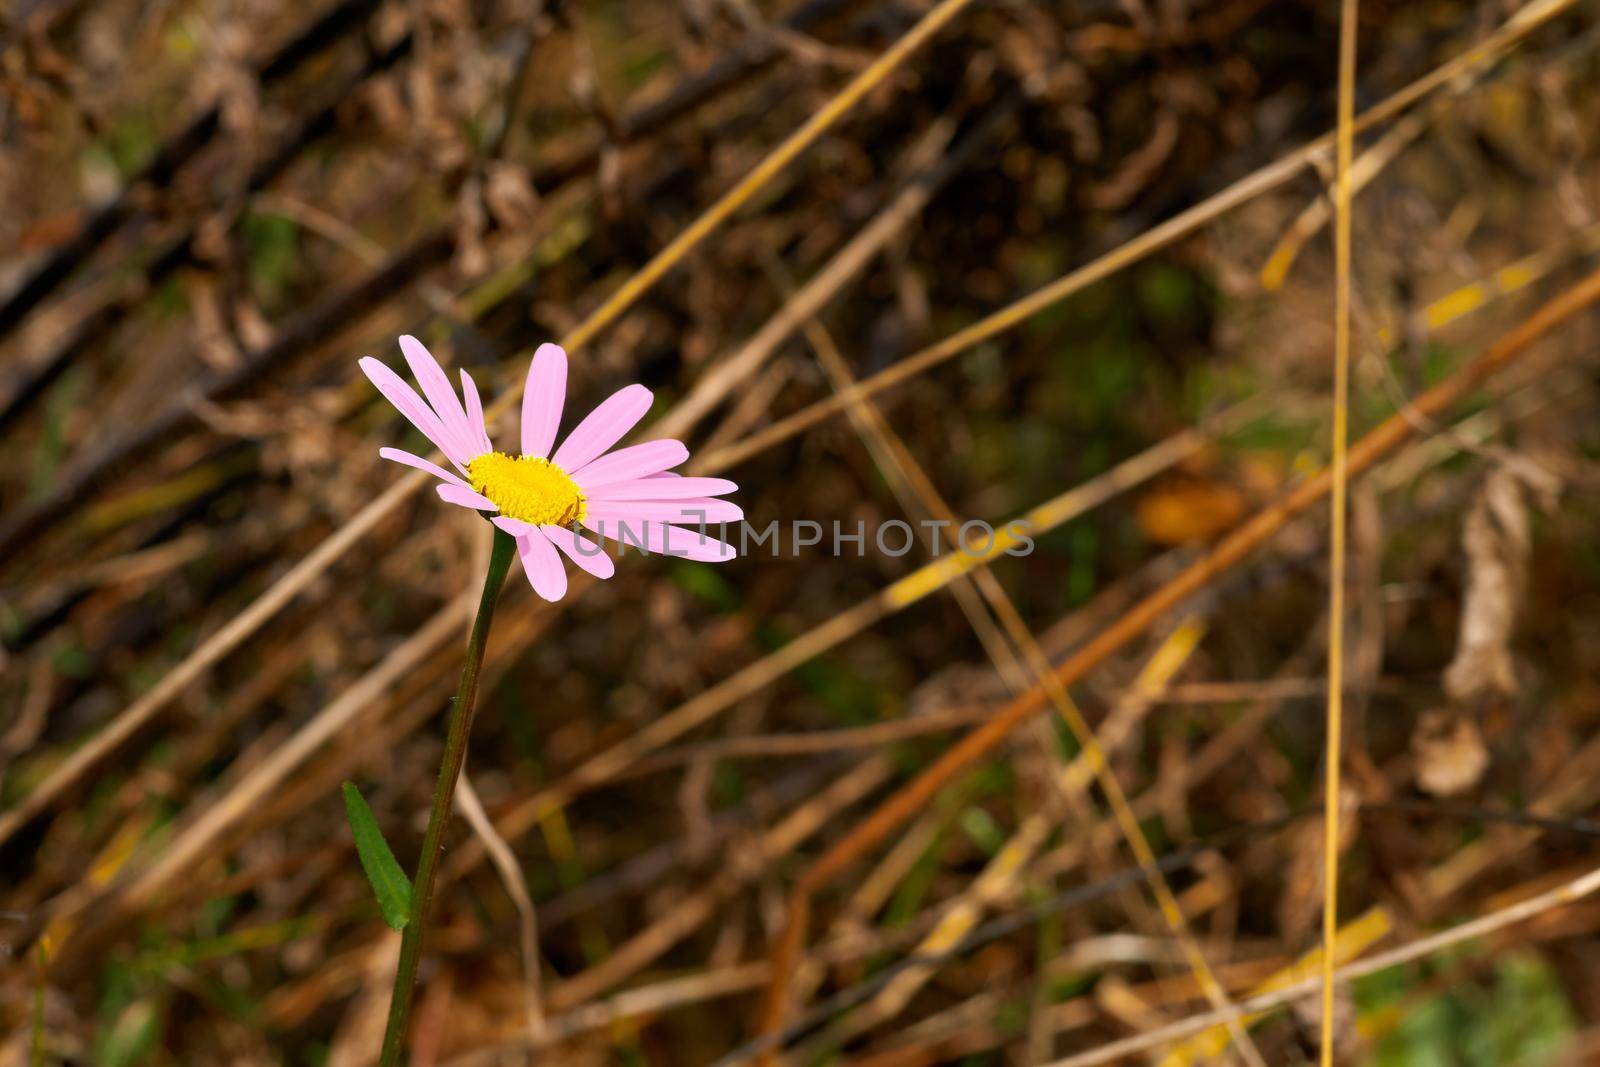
[455, 754]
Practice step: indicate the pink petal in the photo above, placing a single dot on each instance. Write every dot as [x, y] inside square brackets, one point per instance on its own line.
[626, 464]
[664, 540]
[604, 427]
[436, 387]
[475, 423]
[543, 396]
[542, 565]
[455, 494]
[421, 464]
[691, 512]
[582, 551]
[514, 527]
[662, 489]
[409, 404]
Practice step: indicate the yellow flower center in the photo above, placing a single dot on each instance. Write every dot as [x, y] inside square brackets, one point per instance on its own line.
[533, 490]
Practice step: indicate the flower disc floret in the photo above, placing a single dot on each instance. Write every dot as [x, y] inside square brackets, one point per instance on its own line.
[529, 488]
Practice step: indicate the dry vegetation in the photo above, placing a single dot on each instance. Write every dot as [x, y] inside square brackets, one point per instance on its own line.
[217, 603]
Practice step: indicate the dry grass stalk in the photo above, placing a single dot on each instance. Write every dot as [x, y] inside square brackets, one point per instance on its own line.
[1230, 551]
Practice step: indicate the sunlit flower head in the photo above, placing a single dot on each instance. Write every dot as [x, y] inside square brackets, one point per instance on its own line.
[539, 497]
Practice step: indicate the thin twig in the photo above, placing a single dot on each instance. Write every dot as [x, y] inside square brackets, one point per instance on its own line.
[505, 864]
[1077, 896]
[843, 625]
[128, 723]
[1269, 177]
[1572, 891]
[134, 718]
[1232, 549]
[322, 34]
[902, 469]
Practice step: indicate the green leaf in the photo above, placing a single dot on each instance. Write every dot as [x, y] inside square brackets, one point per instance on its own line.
[132, 1037]
[981, 828]
[388, 880]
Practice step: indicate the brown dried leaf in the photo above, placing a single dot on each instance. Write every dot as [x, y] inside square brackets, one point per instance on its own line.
[1496, 537]
[227, 81]
[472, 258]
[1449, 752]
[1301, 899]
[1189, 508]
[254, 329]
[47, 232]
[1301, 902]
[1140, 168]
[379, 104]
[960, 685]
[509, 195]
[1348, 1042]
[213, 340]
[1122, 1002]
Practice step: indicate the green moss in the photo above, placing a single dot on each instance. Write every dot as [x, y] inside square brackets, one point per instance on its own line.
[272, 248]
[1520, 1016]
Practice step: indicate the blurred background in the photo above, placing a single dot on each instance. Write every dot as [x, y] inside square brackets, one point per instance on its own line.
[217, 603]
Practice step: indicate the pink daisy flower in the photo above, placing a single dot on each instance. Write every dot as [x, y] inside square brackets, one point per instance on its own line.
[539, 497]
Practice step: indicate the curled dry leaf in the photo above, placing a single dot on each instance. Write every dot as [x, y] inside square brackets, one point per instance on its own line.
[472, 258]
[1497, 540]
[1449, 752]
[226, 79]
[238, 97]
[1135, 174]
[1300, 904]
[213, 340]
[50, 231]
[254, 328]
[1187, 508]
[1347, 1038]
[960, 685]
[509, 195]
[211, 237]
[380, 106]
[1301, 899]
